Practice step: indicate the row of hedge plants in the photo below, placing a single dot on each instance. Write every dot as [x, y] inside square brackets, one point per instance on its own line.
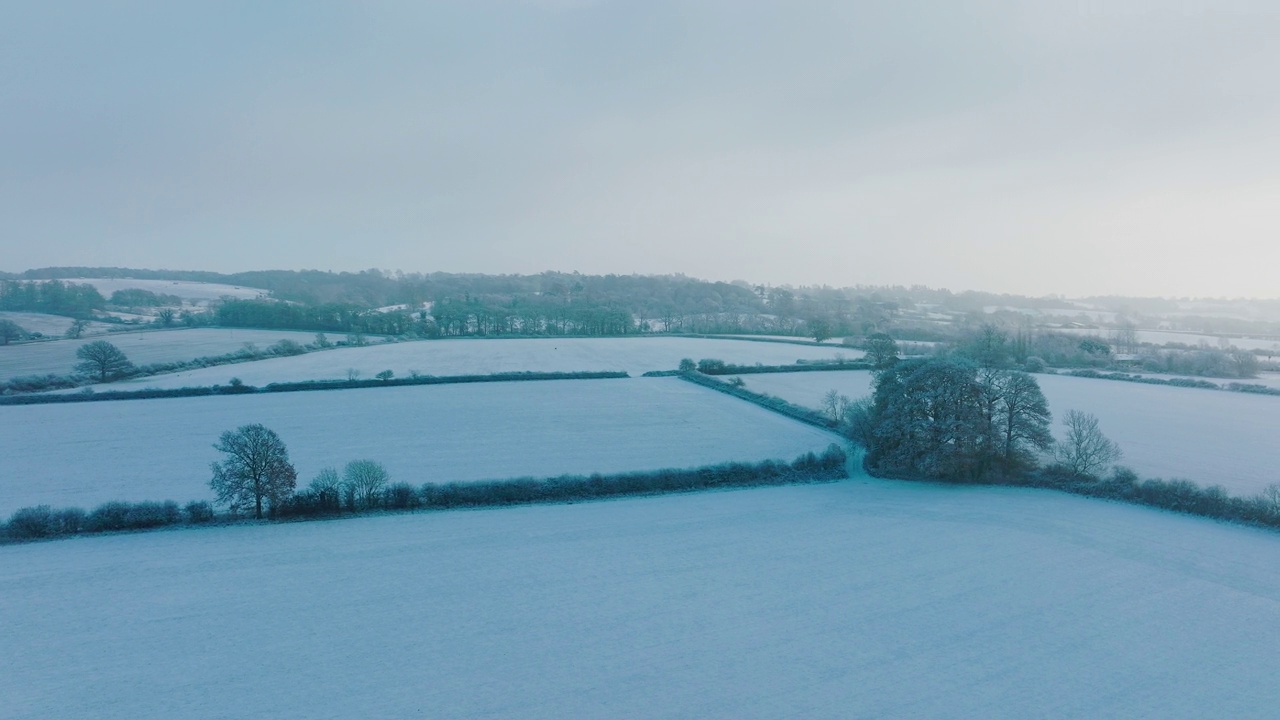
[808, 468]
[44, 522]
[238, 388]
[1177, 495]
[769, 402]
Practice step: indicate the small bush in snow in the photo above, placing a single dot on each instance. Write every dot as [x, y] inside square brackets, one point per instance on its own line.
[402, 496]
[711, 366]
[33, 522]
[198, 511]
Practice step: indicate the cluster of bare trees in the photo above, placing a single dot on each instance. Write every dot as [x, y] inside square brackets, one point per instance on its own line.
[256, 474]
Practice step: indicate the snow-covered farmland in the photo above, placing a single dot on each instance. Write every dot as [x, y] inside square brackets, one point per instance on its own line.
[83, 454]
[845, 600]
[49, 325]
[635, 355]
[196, 293]
[141, 347]
[1161, 337]
[1207, 436]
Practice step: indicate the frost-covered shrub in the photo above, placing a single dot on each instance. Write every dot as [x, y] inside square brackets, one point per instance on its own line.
[33, 522]
[136, 516]
[1033, 364]
[286, 348]
[402, 496]
[688, 365]
[39, 383]
[153, 514]
[107, 517]
[308, 503]
[198, 511]
[711, 366]
[71, 521]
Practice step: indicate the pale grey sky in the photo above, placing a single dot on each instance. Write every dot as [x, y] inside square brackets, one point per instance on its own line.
[1071, 147]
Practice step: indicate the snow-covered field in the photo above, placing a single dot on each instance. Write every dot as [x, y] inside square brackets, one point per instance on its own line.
[1160, 337]
[1207, 436]
[141, 347]
[49, 325]
[197, 293]
[850, 600]
[635, 355]
[83, 454]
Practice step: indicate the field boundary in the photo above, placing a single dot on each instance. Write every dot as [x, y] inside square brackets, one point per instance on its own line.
[768, 402]
[305, 386]
[46, 523]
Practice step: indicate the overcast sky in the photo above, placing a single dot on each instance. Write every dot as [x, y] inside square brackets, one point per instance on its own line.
[1076, 147]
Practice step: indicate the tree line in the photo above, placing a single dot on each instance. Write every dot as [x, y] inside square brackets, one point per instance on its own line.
[54, 297]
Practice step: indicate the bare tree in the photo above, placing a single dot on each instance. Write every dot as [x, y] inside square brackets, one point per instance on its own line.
[1085, 450]
[1125, 337]
[103, 360]
[255, 472]
[1245, 363]
[1021, 418]
[364, 481]
[327, 486]
[1270, 498]
[835, 405]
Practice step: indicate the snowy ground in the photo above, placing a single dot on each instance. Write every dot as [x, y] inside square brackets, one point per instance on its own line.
[83, 454]
[635, 355]
[141, 347]
[49, 325]
[1208, 436]
[198, 293]
[1161, 337]
[854, 599]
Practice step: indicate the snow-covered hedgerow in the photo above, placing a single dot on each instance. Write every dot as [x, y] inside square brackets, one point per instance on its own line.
[44, 522]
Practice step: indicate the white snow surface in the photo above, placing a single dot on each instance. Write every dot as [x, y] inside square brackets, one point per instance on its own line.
[1196, 340]
[49, 325]
[470, 356]
[83, 454]
[1211, 437]
[856, 599]
[1160, 337]
[199, 293]
[141, 347]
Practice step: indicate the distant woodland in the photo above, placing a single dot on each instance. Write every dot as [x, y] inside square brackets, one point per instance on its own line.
[1088, 333]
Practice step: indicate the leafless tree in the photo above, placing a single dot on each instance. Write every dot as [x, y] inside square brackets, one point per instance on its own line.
[364, 480]
[1085, 450]
[256, 470]
[102, 360]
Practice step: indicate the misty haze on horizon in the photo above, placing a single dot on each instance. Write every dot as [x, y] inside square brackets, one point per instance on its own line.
[1095, 148]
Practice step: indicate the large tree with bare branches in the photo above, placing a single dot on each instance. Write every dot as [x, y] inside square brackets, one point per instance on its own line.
[255, 471]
